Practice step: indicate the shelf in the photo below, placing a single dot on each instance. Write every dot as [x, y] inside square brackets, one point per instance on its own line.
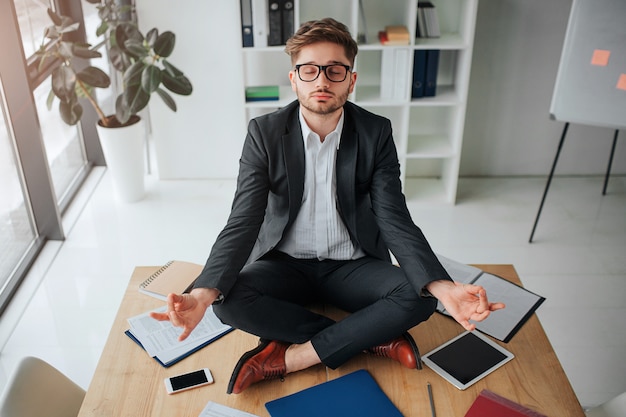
[447, 41]
[428, 146]
[369, 95]
[428, 131]
[427, 191]
[446, 96]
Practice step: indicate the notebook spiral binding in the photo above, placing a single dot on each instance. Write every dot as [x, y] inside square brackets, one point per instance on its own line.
[155, 275]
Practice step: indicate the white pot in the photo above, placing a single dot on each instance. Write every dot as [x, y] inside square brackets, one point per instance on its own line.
[123, 151]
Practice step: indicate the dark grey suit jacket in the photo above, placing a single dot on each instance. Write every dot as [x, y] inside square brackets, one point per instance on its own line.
[369, 197]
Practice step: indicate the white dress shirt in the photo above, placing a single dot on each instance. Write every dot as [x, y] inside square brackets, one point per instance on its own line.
[318, 231]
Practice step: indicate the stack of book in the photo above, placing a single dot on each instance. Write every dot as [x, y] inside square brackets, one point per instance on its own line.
[394, 35]
[262, 93]
[425, 69]
[393, 81]
[266, 23]
[427, 21]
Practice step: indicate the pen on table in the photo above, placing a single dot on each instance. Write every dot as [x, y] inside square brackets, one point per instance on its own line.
[430, 398]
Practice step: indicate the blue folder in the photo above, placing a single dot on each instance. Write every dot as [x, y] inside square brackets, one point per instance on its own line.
[353, 395]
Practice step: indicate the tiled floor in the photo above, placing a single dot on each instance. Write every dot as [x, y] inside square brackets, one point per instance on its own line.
[577, 261]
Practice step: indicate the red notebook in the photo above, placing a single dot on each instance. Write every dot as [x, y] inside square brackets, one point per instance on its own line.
[490, 404]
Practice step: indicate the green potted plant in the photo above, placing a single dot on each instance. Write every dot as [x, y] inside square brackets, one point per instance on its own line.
[142, 62]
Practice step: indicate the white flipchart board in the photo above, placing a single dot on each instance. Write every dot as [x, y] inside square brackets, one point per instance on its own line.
[590, 86]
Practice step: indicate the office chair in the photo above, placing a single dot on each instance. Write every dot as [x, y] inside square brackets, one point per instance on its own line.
[38, 389]
[615, 407]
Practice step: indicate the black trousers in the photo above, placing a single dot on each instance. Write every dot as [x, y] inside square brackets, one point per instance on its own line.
[271, 296]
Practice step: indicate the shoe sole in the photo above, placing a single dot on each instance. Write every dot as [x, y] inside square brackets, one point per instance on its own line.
[244, 358]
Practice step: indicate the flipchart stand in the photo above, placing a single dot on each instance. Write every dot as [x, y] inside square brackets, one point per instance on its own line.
[590, 86]
[556, 159]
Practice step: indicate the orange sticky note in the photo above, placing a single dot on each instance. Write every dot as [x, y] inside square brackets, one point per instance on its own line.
[600, 57]
[621, 82]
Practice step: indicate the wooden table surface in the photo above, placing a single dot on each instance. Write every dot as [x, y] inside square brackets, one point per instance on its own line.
[129, 383]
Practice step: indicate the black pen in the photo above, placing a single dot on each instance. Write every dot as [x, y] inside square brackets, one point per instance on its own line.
[430, 398]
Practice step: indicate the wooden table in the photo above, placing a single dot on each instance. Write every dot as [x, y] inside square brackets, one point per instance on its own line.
[129, 383]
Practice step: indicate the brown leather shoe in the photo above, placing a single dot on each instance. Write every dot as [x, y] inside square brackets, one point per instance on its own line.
[402, 349]
[266, 361]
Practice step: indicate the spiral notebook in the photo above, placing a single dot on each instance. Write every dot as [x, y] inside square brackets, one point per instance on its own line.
[174, 277]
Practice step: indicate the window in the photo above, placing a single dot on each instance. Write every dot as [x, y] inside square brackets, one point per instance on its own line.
[64, 149]
[42, 160]
[33, 18]
[17, 233]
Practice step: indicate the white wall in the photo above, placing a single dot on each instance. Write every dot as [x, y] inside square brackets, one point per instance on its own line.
[517, 49]
[203, 139]
[508, 131]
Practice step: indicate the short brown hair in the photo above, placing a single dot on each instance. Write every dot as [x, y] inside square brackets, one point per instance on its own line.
[323, 30]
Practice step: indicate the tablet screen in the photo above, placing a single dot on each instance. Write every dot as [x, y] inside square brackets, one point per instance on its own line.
[467, 358]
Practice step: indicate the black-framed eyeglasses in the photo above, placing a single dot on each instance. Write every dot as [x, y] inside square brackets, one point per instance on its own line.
[334, 72]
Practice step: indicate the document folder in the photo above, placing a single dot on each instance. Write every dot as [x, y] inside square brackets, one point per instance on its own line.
[353, 395]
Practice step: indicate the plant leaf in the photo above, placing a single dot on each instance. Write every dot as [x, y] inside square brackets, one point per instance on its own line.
[133, 74]
[135, 48]
[71, 112]
[167, 99]
[56, 19]
[171, 69]
[164, 44]
[119, 59]
[51, 32]
[83, 90]
[179, 85]
[84, 51]
[126, 31]
[131, 101]
[63, 82]
[50, 100]
[102, 29]
[122, 113]
[94, 77]
[137, 100]
[44, 55]
[65, 50]
[152, 36]
[150, 79]
[68, 26]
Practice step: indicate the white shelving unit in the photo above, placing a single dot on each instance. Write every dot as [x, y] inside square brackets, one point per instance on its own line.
[428, 131]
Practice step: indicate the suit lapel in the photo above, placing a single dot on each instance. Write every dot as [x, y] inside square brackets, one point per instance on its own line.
[346, 171]
[293, 150]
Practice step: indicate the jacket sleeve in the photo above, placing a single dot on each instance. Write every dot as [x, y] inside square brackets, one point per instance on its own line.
[403, 238]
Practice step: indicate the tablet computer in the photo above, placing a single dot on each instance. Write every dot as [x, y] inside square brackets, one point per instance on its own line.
[466, 359]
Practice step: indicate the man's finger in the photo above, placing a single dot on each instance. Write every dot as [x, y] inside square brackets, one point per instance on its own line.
[186, 332]
[173, 299]
[483, 303]
[496, 306]
[159, 316]
[467, 325]
[175, 319]
[481, 316]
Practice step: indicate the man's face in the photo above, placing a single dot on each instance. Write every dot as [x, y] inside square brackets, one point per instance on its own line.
[322, 96]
